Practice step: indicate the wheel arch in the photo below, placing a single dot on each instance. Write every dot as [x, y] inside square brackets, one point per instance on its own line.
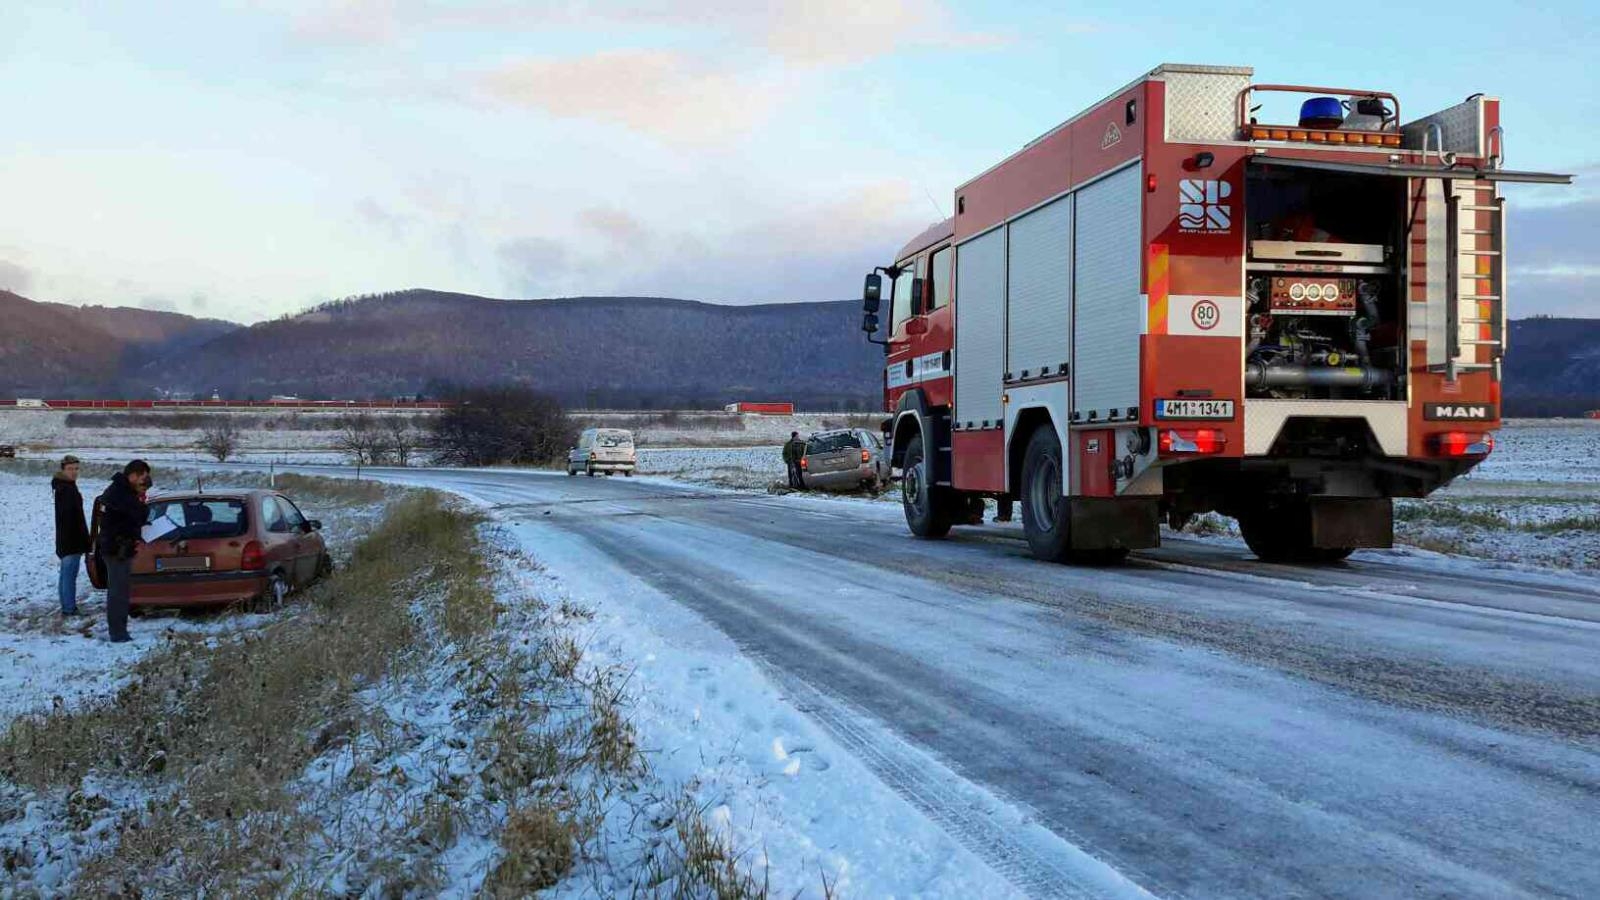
[1027, 422]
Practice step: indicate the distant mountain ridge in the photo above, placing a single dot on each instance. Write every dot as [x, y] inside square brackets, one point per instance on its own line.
[589, 351]
[54, 347]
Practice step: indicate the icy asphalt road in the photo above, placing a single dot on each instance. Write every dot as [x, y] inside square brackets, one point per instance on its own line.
[1205, 724]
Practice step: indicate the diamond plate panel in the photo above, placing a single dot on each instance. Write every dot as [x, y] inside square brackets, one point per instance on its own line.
[1462, 125]
[1263, 419]
[1203, 106]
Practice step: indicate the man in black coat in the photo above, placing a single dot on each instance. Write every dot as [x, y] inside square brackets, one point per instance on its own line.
[122, 516]
[72, 534]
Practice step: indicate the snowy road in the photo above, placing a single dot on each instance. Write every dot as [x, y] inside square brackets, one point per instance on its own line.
[1199, 722]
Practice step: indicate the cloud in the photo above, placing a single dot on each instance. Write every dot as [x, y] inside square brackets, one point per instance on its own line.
[15, 278]
[618, 227]
[802, 32]
[1555, 258]
[813, 251]
[662, 93]
[533, 264]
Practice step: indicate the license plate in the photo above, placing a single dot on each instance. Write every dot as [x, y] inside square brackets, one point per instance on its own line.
[183, 563]
[1194, 409]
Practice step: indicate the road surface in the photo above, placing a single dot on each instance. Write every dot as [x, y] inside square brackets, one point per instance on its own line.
[1204, 723]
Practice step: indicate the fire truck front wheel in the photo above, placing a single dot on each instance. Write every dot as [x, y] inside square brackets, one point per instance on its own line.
[930, 509]
[1046, 516]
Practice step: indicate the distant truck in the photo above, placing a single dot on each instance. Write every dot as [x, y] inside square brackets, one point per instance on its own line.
[760, 409]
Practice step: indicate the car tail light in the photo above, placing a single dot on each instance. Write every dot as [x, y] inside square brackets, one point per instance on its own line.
[252, 559]
[805, 464]
[1463, 443]
[1199, 440]
[866, 456]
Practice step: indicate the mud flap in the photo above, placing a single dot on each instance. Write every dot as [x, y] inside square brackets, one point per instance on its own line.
[1115, 523]
[1340, 522]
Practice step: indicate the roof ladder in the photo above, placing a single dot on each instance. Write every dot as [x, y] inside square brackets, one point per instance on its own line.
[1475, 279]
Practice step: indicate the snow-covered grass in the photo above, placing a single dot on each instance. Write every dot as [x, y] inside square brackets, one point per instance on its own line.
[425, 726]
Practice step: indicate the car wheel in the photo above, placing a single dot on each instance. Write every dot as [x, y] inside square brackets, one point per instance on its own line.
[628, 472]
[271, 599]
[571, 471]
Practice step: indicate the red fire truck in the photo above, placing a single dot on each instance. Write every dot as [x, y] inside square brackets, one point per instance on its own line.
[1169, 305]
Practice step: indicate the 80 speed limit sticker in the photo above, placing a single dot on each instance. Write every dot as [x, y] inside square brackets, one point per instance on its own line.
[1205, 315]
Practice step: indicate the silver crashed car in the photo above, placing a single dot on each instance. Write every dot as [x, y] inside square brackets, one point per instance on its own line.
[847, 459]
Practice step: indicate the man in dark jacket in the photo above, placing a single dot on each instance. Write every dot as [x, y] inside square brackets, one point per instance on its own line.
[72, 534]
[793, 452]
[122, 516]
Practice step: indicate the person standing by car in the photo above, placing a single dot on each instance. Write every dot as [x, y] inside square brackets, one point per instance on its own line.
[122, 515]
[793, 452]
[72, 533]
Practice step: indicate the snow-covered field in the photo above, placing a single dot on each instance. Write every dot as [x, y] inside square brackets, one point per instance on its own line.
[734, 467]
[45, 658]
[1565, 451]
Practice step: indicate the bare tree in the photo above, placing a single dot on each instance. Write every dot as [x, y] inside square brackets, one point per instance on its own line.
[220, 438]
[400, 439]
[360, 439]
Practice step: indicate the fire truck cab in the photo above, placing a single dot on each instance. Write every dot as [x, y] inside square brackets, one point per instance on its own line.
[1170, 304]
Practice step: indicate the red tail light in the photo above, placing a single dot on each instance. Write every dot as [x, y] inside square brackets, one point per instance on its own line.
[252, 559]
[866, 456]
[1199, 440]
[1463, 443]
[805, 464]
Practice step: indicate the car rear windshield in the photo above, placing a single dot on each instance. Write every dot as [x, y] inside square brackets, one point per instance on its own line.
[191, 519]
[828, 443]
[614, 439]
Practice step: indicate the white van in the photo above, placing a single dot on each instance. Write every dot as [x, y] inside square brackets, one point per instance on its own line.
[603, 450]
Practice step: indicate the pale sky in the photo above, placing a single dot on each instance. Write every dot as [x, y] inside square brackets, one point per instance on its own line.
[247, 159]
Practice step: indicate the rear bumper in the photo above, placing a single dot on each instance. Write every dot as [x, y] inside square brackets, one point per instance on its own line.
[609, 465]
[196, 588]
[845, 479]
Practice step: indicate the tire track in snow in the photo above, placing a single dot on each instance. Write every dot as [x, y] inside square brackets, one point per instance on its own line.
[1039, 862]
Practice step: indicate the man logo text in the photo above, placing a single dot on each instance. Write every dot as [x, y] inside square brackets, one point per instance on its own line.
[1458, 412]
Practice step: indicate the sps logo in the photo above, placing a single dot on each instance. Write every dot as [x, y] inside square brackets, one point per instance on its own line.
[1200, 206]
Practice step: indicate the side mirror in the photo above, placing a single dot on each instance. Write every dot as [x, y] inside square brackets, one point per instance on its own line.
[872, 294]
[869, 323]
[314, 524]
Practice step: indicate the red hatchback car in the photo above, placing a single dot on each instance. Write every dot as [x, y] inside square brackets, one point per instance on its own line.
[246, 548]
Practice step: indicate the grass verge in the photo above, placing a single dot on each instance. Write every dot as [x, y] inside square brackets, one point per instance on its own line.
[405, 733]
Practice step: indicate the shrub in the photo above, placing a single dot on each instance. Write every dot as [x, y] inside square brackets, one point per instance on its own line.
[490, 426]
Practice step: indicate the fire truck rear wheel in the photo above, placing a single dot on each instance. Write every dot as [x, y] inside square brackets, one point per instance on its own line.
[1046, 516]
[930, 509]
[1282, 533]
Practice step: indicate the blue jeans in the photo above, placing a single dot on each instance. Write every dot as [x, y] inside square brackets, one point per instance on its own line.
[67, 584]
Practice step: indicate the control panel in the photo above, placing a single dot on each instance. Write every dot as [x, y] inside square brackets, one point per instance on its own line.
[1311, 296]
